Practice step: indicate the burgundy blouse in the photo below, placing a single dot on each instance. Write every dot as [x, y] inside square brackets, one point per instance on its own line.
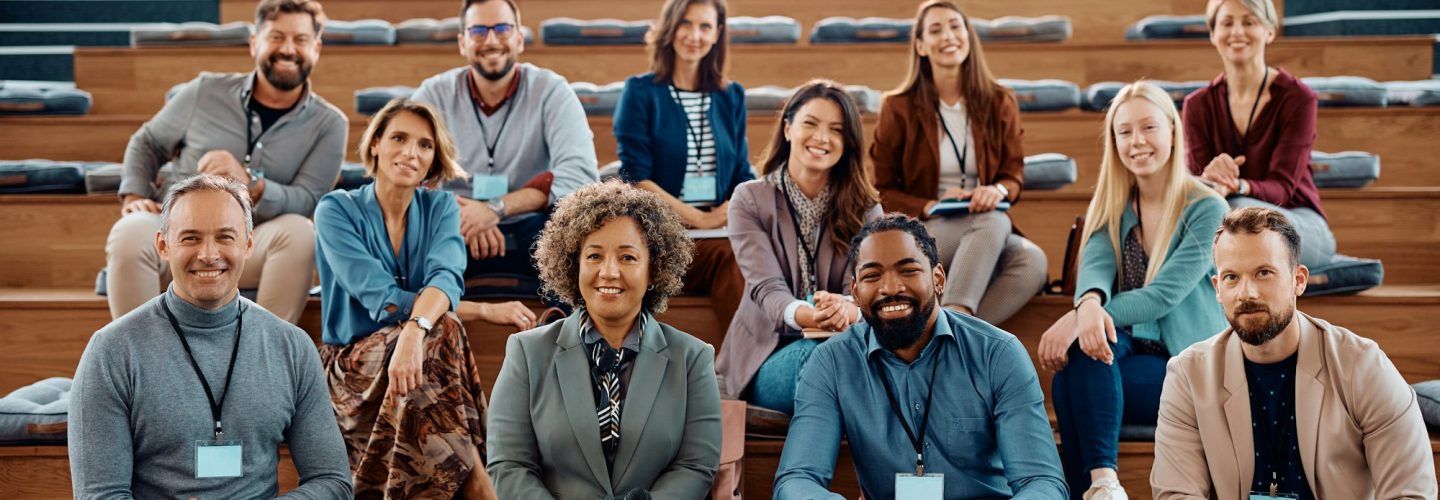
[1276, 149]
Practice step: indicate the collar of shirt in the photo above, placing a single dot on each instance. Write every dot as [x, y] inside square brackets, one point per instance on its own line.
[509, 92]
[590, 335]
[248, 89]
[942, 329]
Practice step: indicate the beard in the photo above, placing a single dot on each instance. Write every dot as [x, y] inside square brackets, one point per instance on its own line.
[286, 81]
[1274, 323]
[899, 333]
[494, 76]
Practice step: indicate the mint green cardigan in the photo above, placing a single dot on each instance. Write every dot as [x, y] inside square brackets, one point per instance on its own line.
[1178, 307]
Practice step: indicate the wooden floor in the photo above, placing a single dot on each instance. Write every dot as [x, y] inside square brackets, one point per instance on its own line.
[134, 81]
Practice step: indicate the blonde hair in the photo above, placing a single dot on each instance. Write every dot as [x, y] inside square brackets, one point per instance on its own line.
[444, 168]
[1113, 188]
[1262, 9]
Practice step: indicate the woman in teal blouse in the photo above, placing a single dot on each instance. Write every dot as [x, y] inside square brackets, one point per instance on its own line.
[1143, 293]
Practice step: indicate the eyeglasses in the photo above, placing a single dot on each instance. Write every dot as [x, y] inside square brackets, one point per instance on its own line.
[480, 32]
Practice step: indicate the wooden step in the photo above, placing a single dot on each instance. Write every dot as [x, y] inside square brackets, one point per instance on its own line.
[59, 240]
[134, 81]
[1398, 135]
[1093, 20]
[43, 472]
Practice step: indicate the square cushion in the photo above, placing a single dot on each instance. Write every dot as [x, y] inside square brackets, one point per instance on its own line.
[866, 30]
[1337, 91]
[598, 100]
[191, 34]
[362, 32]
[1044, 95]
[370, 100]
[1428, 394]
[43, 98]
[1166, 27]
[36, 414]
[1346, 169]
[1023, 29]
[768, 29]
[1098, 96]
[1345, 274]
[1049, 171]
[570, 31]
[1416, 93]
[41, 176]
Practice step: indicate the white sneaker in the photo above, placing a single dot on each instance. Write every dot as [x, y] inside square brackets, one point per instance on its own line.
[1106, 489]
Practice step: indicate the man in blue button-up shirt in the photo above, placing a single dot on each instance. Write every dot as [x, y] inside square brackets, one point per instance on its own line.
[986, 431]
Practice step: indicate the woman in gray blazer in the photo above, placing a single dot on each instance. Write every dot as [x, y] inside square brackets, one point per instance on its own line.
[608, 403]
[791, 232]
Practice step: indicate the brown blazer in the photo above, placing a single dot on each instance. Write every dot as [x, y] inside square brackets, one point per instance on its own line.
[1359, 425]
[906, 153]
[766, 249]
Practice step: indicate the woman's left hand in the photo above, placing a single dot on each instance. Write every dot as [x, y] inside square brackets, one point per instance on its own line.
[985, 199]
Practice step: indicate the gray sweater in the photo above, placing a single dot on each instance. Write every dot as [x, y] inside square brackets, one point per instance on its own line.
[138, 408]
[299, 155]
[546, 132]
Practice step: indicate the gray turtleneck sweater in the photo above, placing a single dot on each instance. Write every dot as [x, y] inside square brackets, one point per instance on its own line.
[138, 407]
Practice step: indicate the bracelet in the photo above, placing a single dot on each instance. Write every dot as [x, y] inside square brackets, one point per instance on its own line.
[1083, 299]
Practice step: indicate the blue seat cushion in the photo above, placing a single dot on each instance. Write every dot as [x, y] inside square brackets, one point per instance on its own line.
[1023, 29]
[43, 98]
[866, 30]
[1049, 171]
[352, 176]
[427, 30]
[191, 34]
[766, 98]
[1416, 93]
[867, 98]
[1428, 394]
[36, 414]
[1167, 27]
[41, 176]
[1345, 274]
[104, 177]
[569, 31]
[362, 32]
[369, 101]
[1386, 20]
[598, 100]
[1346, 169]
[768, 29]
[1044, 95]
[1098, 96]
[1334, 91]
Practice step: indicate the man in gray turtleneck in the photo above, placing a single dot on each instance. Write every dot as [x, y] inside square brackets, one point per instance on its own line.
[191, 394]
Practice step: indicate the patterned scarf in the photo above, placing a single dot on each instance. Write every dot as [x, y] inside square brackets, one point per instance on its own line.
[811, 213]
[606, 367]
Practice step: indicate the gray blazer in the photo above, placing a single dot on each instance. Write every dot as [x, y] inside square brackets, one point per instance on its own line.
[543, 438]
[767, 250]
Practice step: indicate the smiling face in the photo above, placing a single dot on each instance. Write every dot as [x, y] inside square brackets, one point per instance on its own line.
[206, 246]
[816, 134]
[405, 152]
[614, 270]
[696, 34]
[285, 49]
[1238, 34]
[1256, 283]
[896, 287]
[944, 38]
[1143, 137]
[493, 57]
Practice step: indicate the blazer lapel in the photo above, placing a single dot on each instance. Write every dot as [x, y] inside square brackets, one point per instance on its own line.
[1309, 394]
[645, 380]
[572, 368]
[1237, 416]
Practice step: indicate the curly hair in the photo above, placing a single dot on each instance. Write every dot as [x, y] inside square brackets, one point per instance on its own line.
[557, 252]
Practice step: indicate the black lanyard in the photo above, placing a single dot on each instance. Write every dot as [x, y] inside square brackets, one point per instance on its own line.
[1276, 450]
[917, 442]
[402, 272]
[690, 131]
[810, 255]
[1237, 144]
[953, 147]
[484, 135]
[215, 407]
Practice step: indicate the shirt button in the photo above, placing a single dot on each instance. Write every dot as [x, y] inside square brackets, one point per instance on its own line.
[917, 406]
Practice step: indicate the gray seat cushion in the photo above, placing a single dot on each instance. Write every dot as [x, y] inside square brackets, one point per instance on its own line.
[1335, 91]
[1098, 96]
[369, 101]
[569, 31]
[768, 29]
[191, 34]
[1049, 171]
[1429, 395]
[1166, 27]
[41, 176]
[36, 414]
[1416, 93]
[866, 30]
[1023, 29]
[1345, 274]
[352, 176]
[1044, 95]
[362, 32]
[598, 100]
[104, 178]
[766, 98]
[427, 30]
[43, 98]
[1346, 169]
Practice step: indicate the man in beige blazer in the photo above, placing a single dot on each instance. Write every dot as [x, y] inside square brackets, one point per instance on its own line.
[1356, 428]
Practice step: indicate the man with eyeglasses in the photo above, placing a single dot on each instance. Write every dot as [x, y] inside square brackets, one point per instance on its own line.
[522, 136]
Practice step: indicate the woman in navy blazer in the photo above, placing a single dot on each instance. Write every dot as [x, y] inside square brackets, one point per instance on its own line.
[681, 134]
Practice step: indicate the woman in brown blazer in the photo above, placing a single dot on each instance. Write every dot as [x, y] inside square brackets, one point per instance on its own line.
[951, 132]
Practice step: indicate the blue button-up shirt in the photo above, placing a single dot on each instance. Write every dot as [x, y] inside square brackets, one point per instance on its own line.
[988, 432]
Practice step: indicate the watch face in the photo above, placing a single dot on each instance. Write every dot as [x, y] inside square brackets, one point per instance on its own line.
[424, 323]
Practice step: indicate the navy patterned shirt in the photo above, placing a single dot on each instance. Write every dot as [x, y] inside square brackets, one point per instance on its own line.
[1272, 415]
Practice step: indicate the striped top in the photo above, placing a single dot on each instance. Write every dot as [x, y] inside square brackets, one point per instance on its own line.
[699, 138]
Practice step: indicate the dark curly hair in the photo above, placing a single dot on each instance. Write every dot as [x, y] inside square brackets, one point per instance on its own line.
[895, 221]
[557, 252]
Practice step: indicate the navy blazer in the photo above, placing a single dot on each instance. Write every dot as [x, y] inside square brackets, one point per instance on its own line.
[650, 130]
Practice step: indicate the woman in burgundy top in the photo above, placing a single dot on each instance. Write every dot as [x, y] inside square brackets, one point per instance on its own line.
[1249, 133]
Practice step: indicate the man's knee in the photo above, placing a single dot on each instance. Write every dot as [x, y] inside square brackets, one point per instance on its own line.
[132, 237]
[288, 233]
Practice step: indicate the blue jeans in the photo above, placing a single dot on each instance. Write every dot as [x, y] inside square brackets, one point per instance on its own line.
[1092, 399]
[774, 384]
[1317, 243]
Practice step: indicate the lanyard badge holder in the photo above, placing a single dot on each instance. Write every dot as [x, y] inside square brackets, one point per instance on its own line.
[216, 457]
[699, 187]
[919, 486]
[489, 186]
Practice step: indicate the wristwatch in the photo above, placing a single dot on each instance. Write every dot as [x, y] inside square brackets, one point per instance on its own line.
[497, 205]
[423, 322]
[1004, 192]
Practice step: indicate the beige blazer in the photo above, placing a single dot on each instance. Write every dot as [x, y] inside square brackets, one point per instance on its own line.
[543, 437]
[1360, 431]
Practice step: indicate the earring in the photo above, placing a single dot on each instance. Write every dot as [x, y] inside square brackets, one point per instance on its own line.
[650, 288]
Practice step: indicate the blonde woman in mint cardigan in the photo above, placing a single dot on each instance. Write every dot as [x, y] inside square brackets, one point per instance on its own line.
[1143, 292]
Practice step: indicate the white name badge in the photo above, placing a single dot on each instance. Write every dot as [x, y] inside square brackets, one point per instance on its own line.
[218, 459]
[699, 189]
[926, 487]
[1255, 495]
[489, 187]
